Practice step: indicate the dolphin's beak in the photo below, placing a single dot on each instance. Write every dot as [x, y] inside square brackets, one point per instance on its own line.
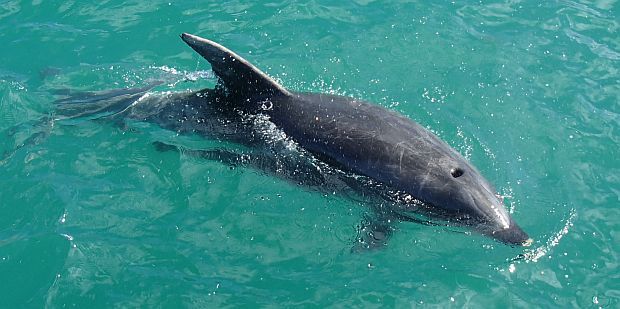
[499, 223]
[512, 235]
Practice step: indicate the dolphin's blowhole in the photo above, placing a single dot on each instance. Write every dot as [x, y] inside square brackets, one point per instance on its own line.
[456, 172]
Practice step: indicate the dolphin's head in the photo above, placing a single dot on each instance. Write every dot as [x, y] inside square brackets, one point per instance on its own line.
[459, 193]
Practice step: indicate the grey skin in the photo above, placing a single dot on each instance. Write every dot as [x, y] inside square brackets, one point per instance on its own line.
[369, 140]
[340, 143]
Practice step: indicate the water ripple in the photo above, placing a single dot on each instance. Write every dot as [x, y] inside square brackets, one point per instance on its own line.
[601, 50]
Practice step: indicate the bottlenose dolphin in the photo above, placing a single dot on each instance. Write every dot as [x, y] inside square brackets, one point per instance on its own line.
[369, 140]
[343, 143]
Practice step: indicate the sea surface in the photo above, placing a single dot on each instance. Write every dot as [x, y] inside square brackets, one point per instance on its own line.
[92, 215]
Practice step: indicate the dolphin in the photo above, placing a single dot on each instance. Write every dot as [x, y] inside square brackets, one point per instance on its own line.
[369, 140]
[343, 142]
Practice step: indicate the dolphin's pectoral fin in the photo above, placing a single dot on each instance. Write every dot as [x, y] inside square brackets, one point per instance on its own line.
[283, 166]
[226, 157]
[236, 74]
[163, 147]
[373, 234]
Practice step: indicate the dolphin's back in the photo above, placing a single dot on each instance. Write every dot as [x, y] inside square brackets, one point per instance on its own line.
[365, 138]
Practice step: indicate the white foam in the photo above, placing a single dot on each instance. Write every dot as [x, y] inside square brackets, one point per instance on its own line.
[535, 254]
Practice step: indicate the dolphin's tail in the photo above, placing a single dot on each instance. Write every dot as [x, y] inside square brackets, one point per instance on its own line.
[38, 130]
[71, 106]
[95, 105]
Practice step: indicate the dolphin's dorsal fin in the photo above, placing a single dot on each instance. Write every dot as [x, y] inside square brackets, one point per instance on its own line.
[235, 73]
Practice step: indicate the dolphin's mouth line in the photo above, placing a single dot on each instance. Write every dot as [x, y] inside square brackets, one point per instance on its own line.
[406, 217]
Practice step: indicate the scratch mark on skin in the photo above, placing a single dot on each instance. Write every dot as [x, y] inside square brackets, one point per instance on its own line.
[400, 159]
[425, 180]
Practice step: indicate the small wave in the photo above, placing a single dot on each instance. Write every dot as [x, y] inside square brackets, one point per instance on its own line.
[597, 48]
[534, 255]
[186, 75]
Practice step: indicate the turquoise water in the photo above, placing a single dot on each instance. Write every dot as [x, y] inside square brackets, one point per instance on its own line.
[91, 215]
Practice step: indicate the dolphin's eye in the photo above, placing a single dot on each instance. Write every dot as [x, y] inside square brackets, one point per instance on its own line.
[456, 172]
